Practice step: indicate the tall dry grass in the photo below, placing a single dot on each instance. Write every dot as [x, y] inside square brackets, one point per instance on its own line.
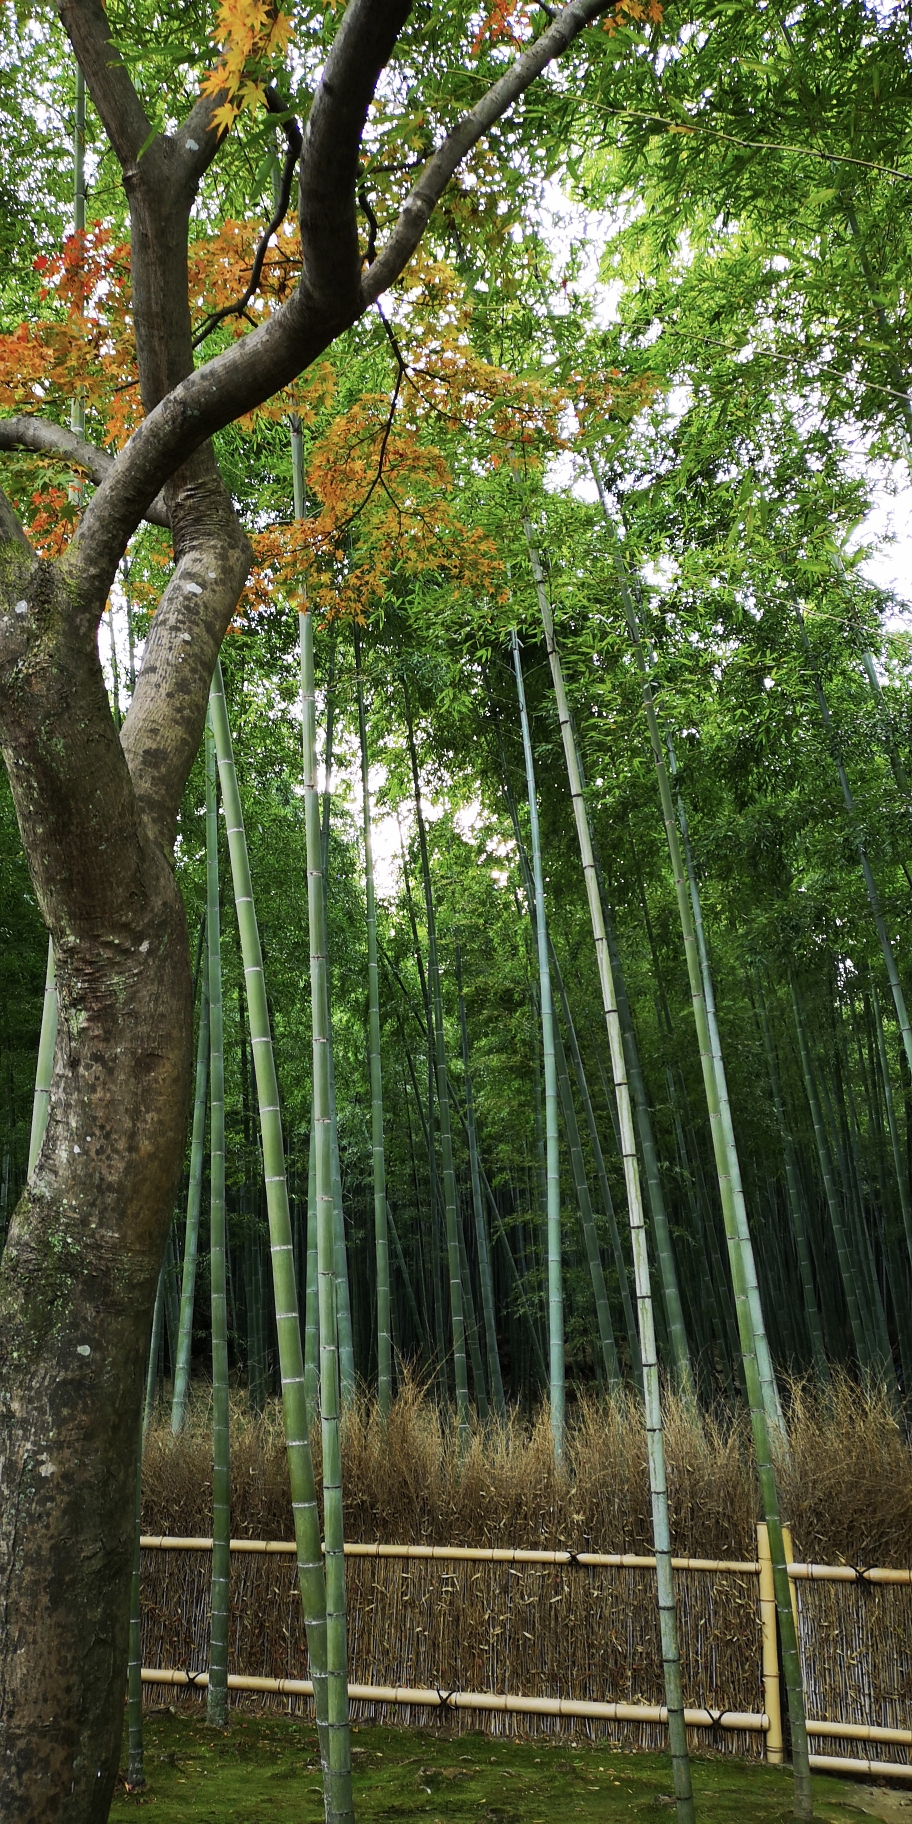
[846, 1485]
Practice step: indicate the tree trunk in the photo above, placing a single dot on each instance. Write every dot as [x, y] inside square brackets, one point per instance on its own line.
[77, 1287]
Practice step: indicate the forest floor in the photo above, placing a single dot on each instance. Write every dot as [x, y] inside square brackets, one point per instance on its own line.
[264, 1770]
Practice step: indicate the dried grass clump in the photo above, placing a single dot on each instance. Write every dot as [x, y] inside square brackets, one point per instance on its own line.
[846, 1486]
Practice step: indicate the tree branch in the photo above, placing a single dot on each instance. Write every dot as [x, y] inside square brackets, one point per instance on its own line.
[416, 211]
[109, 83]
[329, 167]
[331, 295]
[10, 530]
[45, 438]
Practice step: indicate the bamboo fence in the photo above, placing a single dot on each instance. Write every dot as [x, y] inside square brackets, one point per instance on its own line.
[525, 1641]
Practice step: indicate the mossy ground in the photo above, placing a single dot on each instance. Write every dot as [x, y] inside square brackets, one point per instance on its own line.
[264, 1770]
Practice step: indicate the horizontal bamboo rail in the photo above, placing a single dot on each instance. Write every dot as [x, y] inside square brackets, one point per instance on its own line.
[875, 1770]
[495, 1554]
[862, 1732]
[476, 1700]
[846, 1573]
[463, 1554]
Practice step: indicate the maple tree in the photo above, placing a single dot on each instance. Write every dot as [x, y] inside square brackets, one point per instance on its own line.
[97, 805]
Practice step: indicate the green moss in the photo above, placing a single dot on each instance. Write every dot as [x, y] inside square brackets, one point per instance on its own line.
[265, 1770]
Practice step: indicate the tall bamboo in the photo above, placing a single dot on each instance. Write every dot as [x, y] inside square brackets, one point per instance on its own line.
[762, 1393]
[655, 1450]
[721, 1102]
[902, 1181]
[481, 1227]
[181, 1392]
[136, 1775]
[795, 1200]
[291, 1360]
[337, 1775]
[556, 1364]
[217, 1693]
[595, 1145]
[451, 1208]
[899, 999]
[378, 1160]
[344, 1337]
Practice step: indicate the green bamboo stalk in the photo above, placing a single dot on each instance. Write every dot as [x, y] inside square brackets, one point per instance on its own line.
[902, 1182]
[312, 1290]
[760, 1385]
[217, 1694]
[468, 1305]
[343, 1292]
[291, 1362]
[181, 1392]
[337, 1783]
[45, 1066]
[418, 1319]
[556, 1363]
[154, 1352]
[714, 1082]
[136, 1775]
[899, 1000]
[378, 1160]
[677, 1734]
[665, 1255]
[457, 1314]
[481, 1227]
[587, 1219]
[795, 1200]
[595, 1144]
[830, 1190]
[736, 1203]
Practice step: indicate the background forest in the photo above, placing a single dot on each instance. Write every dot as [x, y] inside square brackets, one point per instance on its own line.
[656, 359]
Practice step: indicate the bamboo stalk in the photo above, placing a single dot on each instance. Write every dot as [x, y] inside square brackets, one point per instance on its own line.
[655, 1450]
[337, 1766]
[378, 1161]
[763, 1398]
[556, 1375]
[886, 946]
[217, 1699]
[136, 1778]
[481, 1227]
[181, 1392]
[291, 1362]
[457, 1315]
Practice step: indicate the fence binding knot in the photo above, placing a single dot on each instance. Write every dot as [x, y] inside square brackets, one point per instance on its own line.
[863, 1576]
[193, 1678]
[445, 1700]
[716, 1718]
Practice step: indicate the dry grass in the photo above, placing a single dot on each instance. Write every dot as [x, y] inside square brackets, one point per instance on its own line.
[847, 1487]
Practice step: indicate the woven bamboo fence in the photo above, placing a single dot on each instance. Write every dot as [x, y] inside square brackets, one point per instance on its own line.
[571, 1632]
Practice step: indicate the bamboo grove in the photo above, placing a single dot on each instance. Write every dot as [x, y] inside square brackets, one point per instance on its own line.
[548, 854]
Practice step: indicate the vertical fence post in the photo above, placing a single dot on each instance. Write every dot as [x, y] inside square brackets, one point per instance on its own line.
[769, 1633]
